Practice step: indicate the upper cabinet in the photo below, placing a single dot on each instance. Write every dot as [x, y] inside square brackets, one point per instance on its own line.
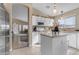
[45, 21]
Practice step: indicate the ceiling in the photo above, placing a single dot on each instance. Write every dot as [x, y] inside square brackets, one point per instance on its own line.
[47, 8]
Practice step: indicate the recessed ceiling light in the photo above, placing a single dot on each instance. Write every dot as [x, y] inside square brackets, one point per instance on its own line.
[47, 7]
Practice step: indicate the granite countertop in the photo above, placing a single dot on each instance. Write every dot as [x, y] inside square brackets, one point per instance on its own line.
[53, 35]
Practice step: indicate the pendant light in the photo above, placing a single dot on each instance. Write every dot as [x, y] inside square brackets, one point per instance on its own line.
[61, 17]
[54, 10]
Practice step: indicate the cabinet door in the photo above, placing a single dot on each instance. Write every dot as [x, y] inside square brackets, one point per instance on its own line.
[46, 45]
[77, 40]
[56, 46]
[60, 45]
[64, 45]
[72, 40]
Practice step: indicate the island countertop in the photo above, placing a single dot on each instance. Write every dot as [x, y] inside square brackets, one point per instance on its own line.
[53, 35]
[54, 45]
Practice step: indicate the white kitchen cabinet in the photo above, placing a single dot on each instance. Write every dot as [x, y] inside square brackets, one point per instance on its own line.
[46, 21]
[77, 41]
[54, 45]
[35, 37]
[72, 39]
[60, 45]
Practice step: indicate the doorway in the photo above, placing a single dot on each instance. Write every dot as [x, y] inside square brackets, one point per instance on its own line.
[20, 35]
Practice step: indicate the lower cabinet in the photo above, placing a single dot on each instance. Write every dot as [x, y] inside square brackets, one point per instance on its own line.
[54, 46]
[72, 40]
[77, 41]
[60, 45]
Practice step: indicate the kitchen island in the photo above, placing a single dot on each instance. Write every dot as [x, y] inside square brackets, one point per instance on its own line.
[54, 45]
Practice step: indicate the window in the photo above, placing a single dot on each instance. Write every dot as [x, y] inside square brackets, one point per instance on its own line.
[68, 22]
[20, 12]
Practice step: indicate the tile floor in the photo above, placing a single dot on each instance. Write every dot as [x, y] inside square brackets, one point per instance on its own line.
[73, 51]
[36, 51]
[26, 51]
